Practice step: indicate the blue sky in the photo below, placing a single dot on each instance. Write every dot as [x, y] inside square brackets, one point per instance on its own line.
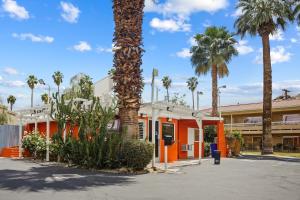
[73, 36]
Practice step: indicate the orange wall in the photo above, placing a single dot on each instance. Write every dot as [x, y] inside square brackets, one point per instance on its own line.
[183, 138]
[172, 149]
[42, 128]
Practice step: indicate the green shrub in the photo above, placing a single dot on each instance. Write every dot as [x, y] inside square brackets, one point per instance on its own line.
[3, 118]
[35, 143]
[136, 154]
[206, 149]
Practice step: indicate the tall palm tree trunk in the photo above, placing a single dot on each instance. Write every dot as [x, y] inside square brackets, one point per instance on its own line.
[31, 98]
[11, 106]
[193, 100]
[168, 97]
[58, 89]
[128, 18]
[214, 79]
[267, 146]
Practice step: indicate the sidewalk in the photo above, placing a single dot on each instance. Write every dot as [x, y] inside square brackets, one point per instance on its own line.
[176, 165]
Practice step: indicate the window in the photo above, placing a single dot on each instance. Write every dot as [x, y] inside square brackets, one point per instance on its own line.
[168, 129]
[291, 118]
[141, 130]
[253, 120]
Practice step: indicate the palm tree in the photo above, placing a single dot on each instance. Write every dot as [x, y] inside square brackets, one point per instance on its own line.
[214, 50]
[296, 12]
[167, 84]
[263, 18]
[45, 98]
[192, 84]
[31, 82]
[58, 79]
[128, 81]
[11, 100]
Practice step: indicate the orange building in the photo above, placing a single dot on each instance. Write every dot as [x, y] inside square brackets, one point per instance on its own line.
[179, 122]
[184, 129]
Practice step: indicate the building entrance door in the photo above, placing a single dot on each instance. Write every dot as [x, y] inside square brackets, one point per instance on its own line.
[191, 140]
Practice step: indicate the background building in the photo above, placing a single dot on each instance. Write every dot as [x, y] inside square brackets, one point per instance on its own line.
[247, 119]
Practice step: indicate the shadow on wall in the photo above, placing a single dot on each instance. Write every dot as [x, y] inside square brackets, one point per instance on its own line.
[58, 178]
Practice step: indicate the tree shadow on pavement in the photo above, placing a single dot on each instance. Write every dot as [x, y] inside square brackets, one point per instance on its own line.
[275, 158]
[58, 178]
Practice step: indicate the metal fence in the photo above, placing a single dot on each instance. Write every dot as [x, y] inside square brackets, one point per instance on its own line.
[9, 136]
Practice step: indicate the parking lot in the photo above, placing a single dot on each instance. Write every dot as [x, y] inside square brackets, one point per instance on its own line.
[251, 178]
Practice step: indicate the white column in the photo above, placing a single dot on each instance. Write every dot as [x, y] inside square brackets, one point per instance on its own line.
[166, 157]
[47, 138]
[65, 132]
[200, 143]
[20, 136]
[153, 135]
[199, 123]
[35, 125]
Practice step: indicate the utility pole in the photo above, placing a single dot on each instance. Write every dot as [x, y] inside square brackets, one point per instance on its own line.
[154, 74]
[219, 100]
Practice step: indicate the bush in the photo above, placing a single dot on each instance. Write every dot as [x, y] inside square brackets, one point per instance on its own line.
[35, 143]
[136, 154]
[206, 149]
[3, 118]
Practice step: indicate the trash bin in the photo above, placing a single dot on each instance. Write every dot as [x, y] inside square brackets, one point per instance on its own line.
[217, 157]
[213, 147]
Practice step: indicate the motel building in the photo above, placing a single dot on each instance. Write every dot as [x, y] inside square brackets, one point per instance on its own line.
[184, 125]
[247, 119]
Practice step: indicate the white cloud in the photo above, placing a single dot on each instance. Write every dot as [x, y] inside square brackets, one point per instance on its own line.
[192, 41]
[243, 48]
[278, 55]
[33, 38]
[16, 83]
[278, 35]
[170, 25]
[238, 12]
[253, 89]
[1, 78]
[70, 12]
[185, 7]
[206, 23]
[82, 46]
[10, 71]
[15, 11]
[184, 53]
[294, 40]
[105, 50]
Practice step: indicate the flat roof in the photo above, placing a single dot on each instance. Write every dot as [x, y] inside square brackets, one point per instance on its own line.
[277, 105]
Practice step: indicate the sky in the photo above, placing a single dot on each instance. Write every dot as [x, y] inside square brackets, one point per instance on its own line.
[75, 36]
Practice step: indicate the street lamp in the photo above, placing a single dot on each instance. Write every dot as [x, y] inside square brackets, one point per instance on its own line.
[42, 82]
[219, 94]
[198, 94]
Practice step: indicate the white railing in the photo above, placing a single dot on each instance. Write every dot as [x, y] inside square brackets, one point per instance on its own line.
[260, 123]
[290, 127]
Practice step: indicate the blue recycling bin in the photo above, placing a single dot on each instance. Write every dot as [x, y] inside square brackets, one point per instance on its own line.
[213, 148]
